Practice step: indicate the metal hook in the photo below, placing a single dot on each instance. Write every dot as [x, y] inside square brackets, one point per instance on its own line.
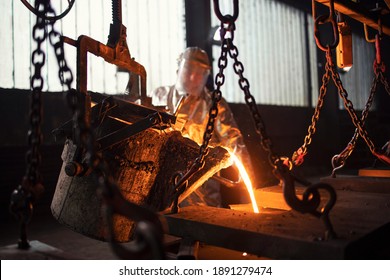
[380, 32]
[311, 198]
[43, 15]
[322, 19]
[368, 39]
[148, 235]
[226, 18]
[338, 162]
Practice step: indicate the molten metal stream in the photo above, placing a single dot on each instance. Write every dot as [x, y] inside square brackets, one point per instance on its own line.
[245, 177]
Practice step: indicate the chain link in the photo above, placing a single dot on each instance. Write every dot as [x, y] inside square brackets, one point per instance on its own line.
[31, 188]
[383, 79]
[338, 161]
[298, 155]
[243, 82]
[351, 111]
[35, 136]
[182, 182]
[23, 197]
[281, 165]
[213, 112]
[21, 200]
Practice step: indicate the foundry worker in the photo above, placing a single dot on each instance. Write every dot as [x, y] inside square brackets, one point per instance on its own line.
[190, 100]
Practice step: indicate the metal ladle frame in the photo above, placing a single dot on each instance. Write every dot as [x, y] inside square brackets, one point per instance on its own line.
[149, 229]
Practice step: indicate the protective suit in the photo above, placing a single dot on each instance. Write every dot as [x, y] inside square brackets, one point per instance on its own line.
[190, 101]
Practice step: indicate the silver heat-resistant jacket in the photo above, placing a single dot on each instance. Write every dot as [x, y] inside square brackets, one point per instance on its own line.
[193, 112]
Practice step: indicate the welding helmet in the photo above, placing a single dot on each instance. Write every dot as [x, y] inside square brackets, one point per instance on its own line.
[193, 71]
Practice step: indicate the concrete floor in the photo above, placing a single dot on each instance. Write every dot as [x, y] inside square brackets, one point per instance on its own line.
[67, 244]
[47, 230]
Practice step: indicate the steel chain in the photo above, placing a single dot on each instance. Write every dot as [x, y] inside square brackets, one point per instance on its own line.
[298, 156]
[35, 136]
[182, 182]
[338, 161]
[23, 197]
[45, 16]
[349, 106]
[384, 82]
[83, 135]
[213, 111]
[281, 165]
[266, 142]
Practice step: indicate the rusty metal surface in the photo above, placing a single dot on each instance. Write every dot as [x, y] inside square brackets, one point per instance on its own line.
[361, 221]
[129, 111]
[375, 172]
[358, 12]
[144, 166]
[359, 183]
[120, 111]
[118, 55]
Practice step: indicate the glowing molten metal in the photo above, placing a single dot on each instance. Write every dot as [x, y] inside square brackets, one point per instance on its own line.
[245, 177]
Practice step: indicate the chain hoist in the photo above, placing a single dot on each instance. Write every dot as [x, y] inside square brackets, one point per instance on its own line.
[298, 156]
[148, 233]
[281, 165]
[45, 16]
[30, 189]
[182, 179]
[355, 120]
[339, 160]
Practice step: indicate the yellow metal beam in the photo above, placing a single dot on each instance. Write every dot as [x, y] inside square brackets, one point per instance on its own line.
[357, 12]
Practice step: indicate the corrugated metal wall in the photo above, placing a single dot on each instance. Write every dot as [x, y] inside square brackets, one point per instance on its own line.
[358, 80]
[280, 58]
[155, 36]
[270, 36]
[280, 63]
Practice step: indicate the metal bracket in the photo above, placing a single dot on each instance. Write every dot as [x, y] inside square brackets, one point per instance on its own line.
[359, 13]
[118, 55]
[130, 130]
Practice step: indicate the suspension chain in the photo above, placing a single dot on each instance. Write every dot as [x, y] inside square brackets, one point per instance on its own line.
[23, 197]
[31, 188]
[216, 98]
[182, 183]
[298, 155]
[281, 165]
[35, 135]
[351, 111]
[338, 161]
[385, 82]
[379, 70]
[243, 82]
[45, 16]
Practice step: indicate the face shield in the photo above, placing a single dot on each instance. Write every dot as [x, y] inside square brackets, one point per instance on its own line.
[192, 77]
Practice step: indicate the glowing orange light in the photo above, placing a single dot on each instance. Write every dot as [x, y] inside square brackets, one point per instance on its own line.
[245, 177]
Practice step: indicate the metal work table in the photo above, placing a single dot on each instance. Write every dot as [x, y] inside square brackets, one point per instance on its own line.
[361, 221]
